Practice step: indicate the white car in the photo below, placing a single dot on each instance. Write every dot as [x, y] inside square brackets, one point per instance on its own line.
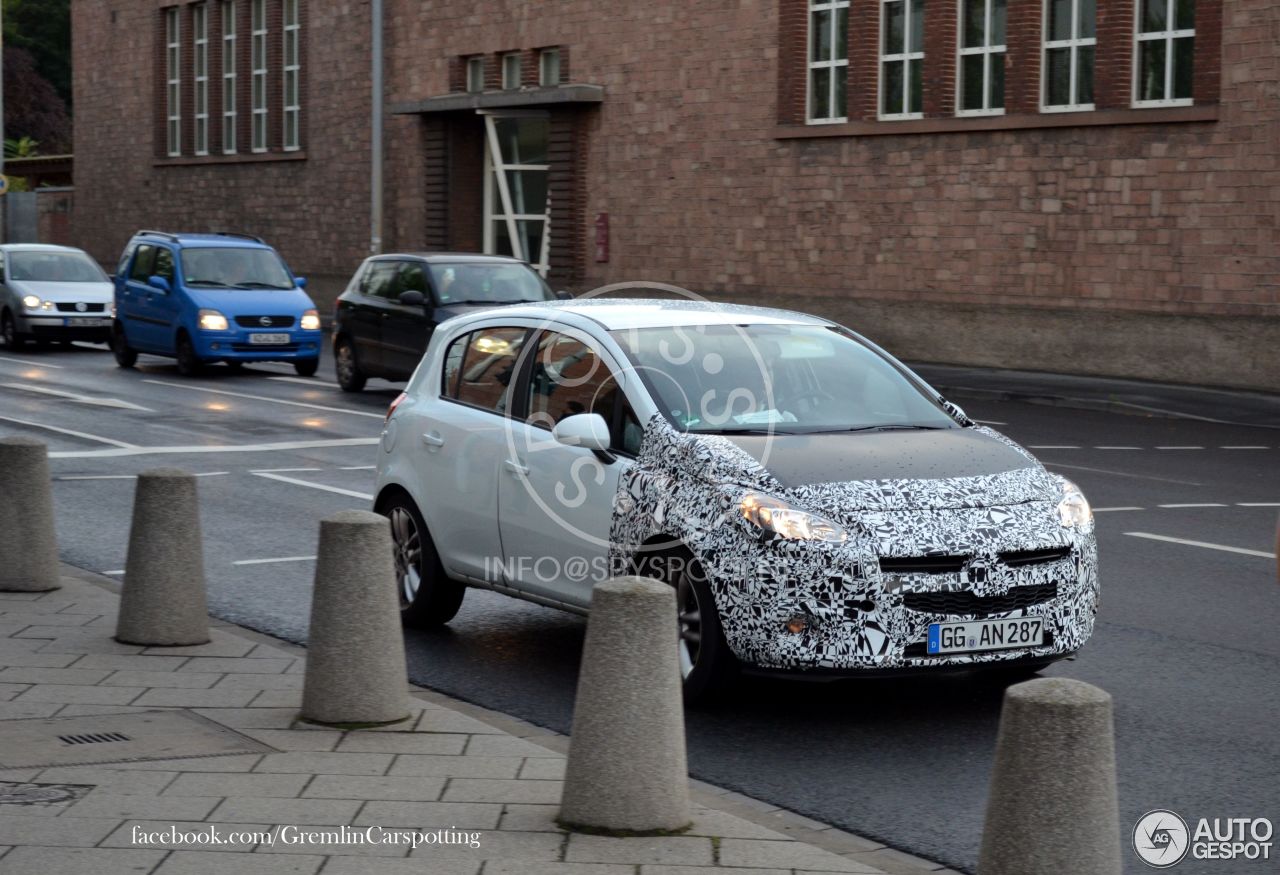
[817, 506]
[52, 293]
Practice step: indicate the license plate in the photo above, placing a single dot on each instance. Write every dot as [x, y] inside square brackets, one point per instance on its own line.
[985, 635]
[268, 339]
[86, 322]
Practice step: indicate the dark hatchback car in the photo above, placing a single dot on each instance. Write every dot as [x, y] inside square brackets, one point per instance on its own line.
[394, 302]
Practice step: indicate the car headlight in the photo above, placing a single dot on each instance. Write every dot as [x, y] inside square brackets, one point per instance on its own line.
[1073, 510]
[33, 302]
[778, 517]
[310, 321]
[212, 320]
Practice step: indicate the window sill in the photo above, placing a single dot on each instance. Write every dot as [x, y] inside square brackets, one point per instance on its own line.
[1157, 115]
[237, 158]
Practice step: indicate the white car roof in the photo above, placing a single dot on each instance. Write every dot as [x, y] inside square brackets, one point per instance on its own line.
[625, 313]
[38, 247]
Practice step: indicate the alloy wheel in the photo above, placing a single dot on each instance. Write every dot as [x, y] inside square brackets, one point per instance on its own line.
[408, 554]
[689, 617]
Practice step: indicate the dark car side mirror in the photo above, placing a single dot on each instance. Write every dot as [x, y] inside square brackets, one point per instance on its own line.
[412, 298]
[564, 295]
[158, 283]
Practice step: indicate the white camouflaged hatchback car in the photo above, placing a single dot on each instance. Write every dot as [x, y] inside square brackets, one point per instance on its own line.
[817, 506]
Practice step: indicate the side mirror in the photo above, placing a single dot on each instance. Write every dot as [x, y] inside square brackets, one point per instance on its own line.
[158, 283]
[956, 413]
[412, 298]
[300, 282]
[586, 430]
[564, 295]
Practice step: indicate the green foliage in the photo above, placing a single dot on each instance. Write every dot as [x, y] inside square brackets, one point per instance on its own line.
[22, 147]
[43, 28]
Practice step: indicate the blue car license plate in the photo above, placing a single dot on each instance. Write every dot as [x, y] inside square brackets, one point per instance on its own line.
[979, 635]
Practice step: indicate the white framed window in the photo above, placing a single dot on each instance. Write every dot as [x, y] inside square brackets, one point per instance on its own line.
[1070, 40]
[980, 65]
[901, 59]
[200, 76]
[549, 68]
[172, 82]
[827, 96]
[511, 70]
[258, 74]
[228, 77]
[475, 74]
[517, 206]
[292, 72]
[1164, 52]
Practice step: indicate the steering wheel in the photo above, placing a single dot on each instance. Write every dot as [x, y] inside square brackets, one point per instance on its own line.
[816, 394]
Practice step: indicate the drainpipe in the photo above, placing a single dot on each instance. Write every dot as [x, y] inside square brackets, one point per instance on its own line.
[375, 123]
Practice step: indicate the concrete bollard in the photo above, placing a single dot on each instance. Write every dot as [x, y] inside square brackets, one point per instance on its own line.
[1053, 807]
[356, 671]
[28, 544]
[163, 601]
[627, 771]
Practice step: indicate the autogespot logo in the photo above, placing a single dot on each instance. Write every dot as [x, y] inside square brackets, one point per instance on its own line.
[1160, 838]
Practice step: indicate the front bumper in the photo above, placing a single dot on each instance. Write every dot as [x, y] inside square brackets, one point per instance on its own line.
[861, 618]
[235, 345]
[94, 327]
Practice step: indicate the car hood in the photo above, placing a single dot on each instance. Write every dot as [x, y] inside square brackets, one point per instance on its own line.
[252, 302]
[63, 292]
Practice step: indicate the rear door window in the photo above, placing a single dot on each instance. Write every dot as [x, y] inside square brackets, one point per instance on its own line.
[164, 263]
[381, 280]
[480, 365]
[143, 263]
[413, 278]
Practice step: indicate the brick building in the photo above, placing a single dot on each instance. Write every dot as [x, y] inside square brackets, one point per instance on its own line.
[1069, 185]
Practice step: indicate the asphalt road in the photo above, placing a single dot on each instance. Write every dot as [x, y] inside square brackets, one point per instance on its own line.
[1187, 639]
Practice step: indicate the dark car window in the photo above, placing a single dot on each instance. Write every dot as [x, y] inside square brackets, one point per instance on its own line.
[567, 377]
[124, 259]
[380, 280]
[478, 367]
[488, 283]
[413, 278]
[143, 263]
[164, 264]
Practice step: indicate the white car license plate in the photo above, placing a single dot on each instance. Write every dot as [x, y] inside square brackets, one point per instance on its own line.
[268, 339]
[78, 322]
[985, 635]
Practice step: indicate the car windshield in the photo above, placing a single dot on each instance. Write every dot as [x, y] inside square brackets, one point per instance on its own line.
[487, 283]
[234, 267]
[743, 379]
[54, 267]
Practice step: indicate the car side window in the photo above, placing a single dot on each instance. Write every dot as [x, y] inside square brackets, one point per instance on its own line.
[1, 266]
[381, 281]
[567, 378]
[479, 367]
[164, 263]
[412, 278]
[143, 263]
[124, 259]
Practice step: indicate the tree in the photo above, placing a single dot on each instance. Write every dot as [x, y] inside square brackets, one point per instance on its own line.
[32, 108]
[42, 28]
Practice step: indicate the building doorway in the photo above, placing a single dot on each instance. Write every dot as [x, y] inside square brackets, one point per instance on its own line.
[517, 208]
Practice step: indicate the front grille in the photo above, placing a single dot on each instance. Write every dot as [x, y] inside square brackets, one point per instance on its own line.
[1016, 558]
[922, 564]
[968, 603]
[257, 321]
[921, 648]
[64, 307]
[264, 347]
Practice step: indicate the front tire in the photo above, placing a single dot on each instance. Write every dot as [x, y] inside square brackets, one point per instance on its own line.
[345, 366]
[306, 367]
[9, 332]
[189, 364]
[126, 356]
[427, 596]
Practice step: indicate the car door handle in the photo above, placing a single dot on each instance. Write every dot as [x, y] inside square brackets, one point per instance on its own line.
[433, 440]
[516, 467]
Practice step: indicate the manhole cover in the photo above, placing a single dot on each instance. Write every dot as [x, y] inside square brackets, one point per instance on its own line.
[41, 795]
[117, 738]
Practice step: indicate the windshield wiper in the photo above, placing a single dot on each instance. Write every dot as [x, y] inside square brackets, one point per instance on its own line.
[204, 283]
[732, 431]
[896, 427]
[258, 285]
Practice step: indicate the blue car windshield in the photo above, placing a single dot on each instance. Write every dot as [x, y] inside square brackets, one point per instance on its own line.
[54, 267]
[742, 379]
[234, 268]
[487, 283]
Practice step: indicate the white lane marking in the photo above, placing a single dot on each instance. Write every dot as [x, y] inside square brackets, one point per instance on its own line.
[117, 571]
[359, 468]
[1244, 447]
[130, 476]
[1122, 474]
[1179, 448]
[1205, 544]
[296, 482]
[268, 399]
[1258, 504]
[990, 422]
[278, 559]
[281, 470]
[77, 397]
[1205, 504]
[306, 381]
[1051, 447]
[130, 450]
[1109, 509]
[73, 433]
[1117, 448]
[30, 364]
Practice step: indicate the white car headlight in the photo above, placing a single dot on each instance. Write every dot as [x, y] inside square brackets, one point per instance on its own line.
[310, 321]
[777, 516]
[33, 302]
[212, 320]
[1073, 510]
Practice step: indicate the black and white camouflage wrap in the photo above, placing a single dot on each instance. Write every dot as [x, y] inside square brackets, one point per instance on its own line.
[688, 487]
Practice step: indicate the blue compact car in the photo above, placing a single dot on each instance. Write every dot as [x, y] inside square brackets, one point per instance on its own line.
[203, 298]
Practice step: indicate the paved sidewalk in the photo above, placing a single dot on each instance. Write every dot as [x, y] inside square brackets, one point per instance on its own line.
[467, 775]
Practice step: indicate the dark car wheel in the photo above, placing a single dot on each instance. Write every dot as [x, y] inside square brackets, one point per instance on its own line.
[189, 364]
[428, 597]
[345, 366]
[707, 664]
[306, 367]
[9, 332]
[126, 356]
